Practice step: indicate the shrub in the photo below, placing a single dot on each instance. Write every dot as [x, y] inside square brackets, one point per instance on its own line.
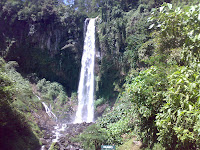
[178, 119]
[93, 137]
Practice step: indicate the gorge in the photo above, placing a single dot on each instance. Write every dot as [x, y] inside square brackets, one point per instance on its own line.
[129, 77]
[85, 110]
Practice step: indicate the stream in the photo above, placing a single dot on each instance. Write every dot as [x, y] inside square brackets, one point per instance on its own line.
[62, 135]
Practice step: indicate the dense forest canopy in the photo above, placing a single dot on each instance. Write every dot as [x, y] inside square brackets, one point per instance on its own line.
[148, 76]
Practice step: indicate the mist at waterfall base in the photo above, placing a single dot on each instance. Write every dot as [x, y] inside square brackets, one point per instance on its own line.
[85, 111]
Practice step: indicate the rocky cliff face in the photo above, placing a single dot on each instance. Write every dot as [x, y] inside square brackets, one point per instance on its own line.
[49, 46]
[50, 127]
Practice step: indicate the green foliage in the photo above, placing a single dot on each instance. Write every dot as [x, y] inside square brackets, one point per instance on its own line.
[136, 33]
[50, 90]
[165, 96]
[54, 94]
[50, 42]
[130, 145]
[160, 104]
[112, 43]
[93, 137]
[117, 129]
[146, 94]
[74, 97]
[117, 122]
[179, 117]
[6, 88]
[54, 146]
[16, 131]
[111, 126]
[157, 146]
[24, 98]
[180, 26]
[99, 102]
[123, 30]
[113, 116]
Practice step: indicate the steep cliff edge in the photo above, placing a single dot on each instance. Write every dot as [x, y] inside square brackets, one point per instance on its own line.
[45, 38]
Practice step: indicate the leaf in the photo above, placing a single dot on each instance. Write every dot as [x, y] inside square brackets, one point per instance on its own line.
[192, 9]
[190, 107]
[169, 5]
[177, 10]
[199, 17]
[199, 131]
[179, 81]
[161, 8]
[149, 19]
[198, 100]
[153, 9]
[159, 25]
[193, 38]
[191, 33]
[151, 26]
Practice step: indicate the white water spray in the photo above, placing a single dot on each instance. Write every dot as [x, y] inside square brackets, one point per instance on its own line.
[47, 109]
[85, 112]
[57, 131]
[51, 114]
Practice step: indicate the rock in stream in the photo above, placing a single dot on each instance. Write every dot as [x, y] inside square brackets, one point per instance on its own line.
[61, 136]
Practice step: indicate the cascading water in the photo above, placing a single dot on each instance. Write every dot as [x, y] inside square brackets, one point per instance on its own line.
[85, 112]
[57, 129]
[47, 109]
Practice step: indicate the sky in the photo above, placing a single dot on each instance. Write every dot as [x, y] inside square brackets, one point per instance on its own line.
[67, 2]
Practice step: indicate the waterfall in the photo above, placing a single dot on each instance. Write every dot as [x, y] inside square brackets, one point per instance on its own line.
[85, 111]
[47, 109]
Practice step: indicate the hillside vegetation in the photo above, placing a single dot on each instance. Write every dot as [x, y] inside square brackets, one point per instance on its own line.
[148, 71]
[157, 45]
